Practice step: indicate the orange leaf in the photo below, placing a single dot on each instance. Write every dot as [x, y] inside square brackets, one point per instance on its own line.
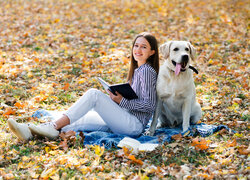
[19, 105]
[223, 68]
[132, 157]
[201, 144]
[231, 143]
[66, 87]
[126, 151]
[9, 111]
[36, 60]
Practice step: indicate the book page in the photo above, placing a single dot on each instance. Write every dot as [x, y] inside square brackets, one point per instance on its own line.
[104, 83]
[147, 147]
[136, 146]
[129, 143]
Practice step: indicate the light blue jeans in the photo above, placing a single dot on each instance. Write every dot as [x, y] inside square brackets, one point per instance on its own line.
[95, 111]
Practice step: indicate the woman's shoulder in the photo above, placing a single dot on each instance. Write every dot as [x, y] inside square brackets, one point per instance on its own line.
[146, 71]
[147, 68]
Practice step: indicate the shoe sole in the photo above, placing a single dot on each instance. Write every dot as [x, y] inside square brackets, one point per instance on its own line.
[14, 128]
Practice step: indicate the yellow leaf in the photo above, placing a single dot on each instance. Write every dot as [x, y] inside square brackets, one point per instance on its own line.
[238, 135]
[25, 158]
[99, 150]
[53, 152]
[47, 149]
[55, 177]
[220, 149]
[81, 81]
[56, 20]
[207, 108]
[48, 172]
[33, 174]
[114, 44]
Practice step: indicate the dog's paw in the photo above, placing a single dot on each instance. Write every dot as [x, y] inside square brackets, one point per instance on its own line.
[184, 128]
[148, 133]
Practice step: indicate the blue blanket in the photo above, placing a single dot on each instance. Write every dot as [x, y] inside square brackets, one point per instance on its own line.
[109, 139]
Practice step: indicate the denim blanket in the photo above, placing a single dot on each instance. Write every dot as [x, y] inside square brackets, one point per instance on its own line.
[109, 139]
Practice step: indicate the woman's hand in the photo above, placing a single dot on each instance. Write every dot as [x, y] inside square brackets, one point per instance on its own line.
[117, 98]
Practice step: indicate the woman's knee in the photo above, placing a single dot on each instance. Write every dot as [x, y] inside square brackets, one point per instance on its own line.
[92, 91]
[94, 95]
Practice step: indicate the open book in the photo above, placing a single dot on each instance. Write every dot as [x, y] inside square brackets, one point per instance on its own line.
[135, 145]
[124, 89]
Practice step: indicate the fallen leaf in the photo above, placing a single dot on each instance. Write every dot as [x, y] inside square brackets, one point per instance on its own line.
[177, 136]
[9, 111]
[63, 144]
[200, 144]
[66, 87]
[244, 150]
[231, 143]
[132, 157]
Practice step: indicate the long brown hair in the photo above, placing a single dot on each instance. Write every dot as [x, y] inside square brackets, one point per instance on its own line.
[153, 60]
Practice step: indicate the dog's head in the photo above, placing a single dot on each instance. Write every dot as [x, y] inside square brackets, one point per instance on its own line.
[178, 55]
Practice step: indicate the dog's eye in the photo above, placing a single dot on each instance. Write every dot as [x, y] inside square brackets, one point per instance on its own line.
[176, 49]
[186, 49]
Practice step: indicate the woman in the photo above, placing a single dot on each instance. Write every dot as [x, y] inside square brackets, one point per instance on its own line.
[113, 112]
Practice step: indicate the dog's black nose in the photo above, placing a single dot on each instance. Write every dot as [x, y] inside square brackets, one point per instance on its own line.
[184, 58]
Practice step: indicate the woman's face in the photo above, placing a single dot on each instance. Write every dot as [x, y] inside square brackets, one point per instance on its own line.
[142, 50]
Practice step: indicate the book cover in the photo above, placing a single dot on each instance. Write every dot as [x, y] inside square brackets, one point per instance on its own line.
[124, 89]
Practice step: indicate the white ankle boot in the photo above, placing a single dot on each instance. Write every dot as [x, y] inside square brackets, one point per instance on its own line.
[45, 130]
[21, 130]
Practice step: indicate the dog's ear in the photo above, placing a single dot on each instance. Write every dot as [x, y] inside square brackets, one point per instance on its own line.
[192, 50]
[165, 49]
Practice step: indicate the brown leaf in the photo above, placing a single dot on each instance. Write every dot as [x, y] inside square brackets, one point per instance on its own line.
[244, 150]
[177, 136]
[223, 131]
[63, 144]
[82, 137]
[231, 143]
[69, 134]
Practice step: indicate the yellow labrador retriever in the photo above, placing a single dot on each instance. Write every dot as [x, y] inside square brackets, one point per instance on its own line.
[176, 102]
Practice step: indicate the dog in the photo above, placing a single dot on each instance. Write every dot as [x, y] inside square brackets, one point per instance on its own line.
[176, 96]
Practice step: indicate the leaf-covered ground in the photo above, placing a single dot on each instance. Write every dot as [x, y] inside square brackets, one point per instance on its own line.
[52, 50]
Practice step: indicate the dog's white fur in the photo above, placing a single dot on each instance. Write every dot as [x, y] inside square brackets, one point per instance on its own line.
[176, 97]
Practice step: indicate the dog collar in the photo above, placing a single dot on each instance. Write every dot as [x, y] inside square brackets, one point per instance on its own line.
[193, 68]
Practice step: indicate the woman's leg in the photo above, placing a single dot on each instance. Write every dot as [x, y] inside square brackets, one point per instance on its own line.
[92, 121]
[117, 119]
